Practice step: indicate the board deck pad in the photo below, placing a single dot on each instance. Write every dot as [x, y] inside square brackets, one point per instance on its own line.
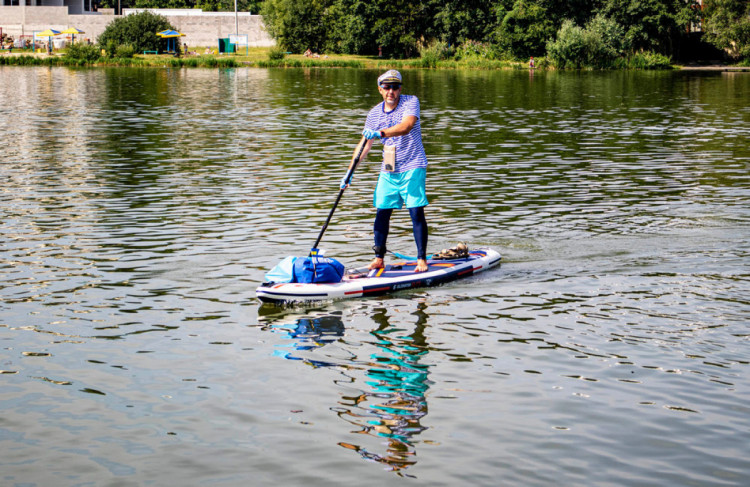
[403, 268]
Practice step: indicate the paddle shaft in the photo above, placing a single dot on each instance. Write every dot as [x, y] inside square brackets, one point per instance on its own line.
[348, 178]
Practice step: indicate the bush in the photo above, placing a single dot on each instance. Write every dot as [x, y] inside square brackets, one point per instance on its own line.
[479, 50]
[434, 52]
[598, 45]
[607, 41]
[110, 48]
[214, 62]
[23, 60]
[138, 30]
[276, 53]
[569, 49]
[88, 53]
[542, 63]
[125, 51]
[647, 60]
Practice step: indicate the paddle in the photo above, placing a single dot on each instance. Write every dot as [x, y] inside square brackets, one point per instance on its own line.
[347, 180]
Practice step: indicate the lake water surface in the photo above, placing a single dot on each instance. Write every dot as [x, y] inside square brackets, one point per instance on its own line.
[141, 208]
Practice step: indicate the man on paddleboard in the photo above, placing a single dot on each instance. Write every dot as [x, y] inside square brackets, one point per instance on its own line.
[395, 123]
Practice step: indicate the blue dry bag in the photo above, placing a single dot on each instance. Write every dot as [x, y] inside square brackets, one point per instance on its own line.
[315, 269]
[283, 272]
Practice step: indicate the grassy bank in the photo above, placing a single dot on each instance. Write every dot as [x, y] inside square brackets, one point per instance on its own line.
[259, 57]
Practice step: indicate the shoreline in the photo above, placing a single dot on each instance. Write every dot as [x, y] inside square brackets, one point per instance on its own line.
[259, 59]
[714, 67]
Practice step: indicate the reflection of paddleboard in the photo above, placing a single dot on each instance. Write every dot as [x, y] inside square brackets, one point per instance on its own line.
[395, 277]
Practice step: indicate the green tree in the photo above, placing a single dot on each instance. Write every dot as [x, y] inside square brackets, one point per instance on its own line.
[297, 25]
[609, 41]
[458, 21]
[355, 27]
[350, 30]
[579, 11]
[525, 29]
[727, 26]
[652, 25]
[138, 30]
[401, 24]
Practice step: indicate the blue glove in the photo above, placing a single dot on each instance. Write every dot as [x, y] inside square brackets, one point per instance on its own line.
[343, 181]
[370, 134]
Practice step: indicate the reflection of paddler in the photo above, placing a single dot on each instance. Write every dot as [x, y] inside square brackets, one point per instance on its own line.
[399, 456]
[399, 385]
[402, 374]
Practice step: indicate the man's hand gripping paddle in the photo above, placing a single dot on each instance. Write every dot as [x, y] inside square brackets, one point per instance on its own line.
[345, 182]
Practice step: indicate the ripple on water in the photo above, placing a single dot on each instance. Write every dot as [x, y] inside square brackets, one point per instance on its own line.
[142, 207]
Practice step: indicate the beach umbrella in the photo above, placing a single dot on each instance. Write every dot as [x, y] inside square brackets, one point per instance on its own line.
[169, 34]
[48, 33]
[73, 31]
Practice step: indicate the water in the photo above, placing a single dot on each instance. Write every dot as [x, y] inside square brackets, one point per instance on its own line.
[141, 208]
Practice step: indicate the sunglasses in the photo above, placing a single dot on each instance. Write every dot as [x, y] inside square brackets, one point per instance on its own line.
[395, 87]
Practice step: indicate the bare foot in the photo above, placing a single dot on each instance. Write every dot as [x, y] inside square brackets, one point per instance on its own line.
[377, 263]
[421, 265]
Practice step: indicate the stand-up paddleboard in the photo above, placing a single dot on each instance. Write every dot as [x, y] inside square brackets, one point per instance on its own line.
[394, 277]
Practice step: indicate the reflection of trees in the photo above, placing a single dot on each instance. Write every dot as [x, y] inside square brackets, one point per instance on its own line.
[393, 409]
[395, 403]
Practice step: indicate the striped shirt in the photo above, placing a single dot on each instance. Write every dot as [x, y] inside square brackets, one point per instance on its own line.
[409, 149]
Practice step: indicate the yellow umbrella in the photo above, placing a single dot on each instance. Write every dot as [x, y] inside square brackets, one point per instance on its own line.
[48, 33]
[73, 31]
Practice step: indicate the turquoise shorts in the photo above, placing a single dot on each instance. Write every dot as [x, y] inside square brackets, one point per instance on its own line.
[395, 189]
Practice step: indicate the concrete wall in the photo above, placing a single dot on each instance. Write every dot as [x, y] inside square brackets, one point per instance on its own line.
[200, 28]
[205, 30]
[23, 20]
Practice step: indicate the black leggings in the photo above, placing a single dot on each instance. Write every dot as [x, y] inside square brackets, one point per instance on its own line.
[382, 226]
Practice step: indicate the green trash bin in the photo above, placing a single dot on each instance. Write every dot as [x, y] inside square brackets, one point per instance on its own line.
[225, 46]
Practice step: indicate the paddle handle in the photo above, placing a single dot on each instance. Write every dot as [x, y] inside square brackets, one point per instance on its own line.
[347, 179]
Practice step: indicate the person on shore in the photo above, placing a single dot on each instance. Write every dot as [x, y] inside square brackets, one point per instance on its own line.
[395, 122]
